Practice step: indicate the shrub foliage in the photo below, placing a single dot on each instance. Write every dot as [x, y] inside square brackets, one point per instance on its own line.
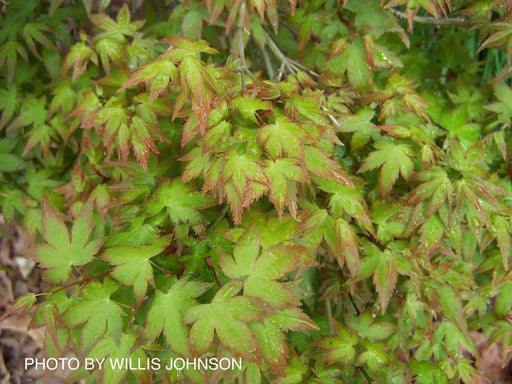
[318, 187]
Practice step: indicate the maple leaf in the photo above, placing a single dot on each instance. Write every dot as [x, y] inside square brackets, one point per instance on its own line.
[9, 52]
[120, 351]
[60, 252]
[8, 104]
[181, 202]
[345, 199]
[165, 314]
[261, 269]
[199, 87]
[133, 265]
[337, 234]
[283, 136]
[283, 174]
[78, 57]
[97, 311]
[228, 316]
[340, 347]
[385, 267]
[436, 186]
[122, 26]
[115, 122]
[158, 73]
[247, 106]
[320, 164]
[394, 159]
[34, 31]
[271, 336]
[241, 173]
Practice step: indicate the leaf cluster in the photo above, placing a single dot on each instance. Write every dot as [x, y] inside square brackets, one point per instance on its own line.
[320, 188]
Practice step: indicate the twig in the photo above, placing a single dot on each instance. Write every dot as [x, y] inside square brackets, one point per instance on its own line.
[241, 50]
[85, 280]
[458, 22]
[291, 65]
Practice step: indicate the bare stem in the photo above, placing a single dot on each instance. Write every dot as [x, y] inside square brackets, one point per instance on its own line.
[241, 50]
[457, 22]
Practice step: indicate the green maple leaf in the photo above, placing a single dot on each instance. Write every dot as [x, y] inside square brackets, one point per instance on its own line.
[283, 174]
[133, 264]
[78, 57]
[385, 267]
[108, 348]
[157, 73]
[228, 316]
[394, 159]
[167, 310]
[340, 348]
[244, 181]
[283, 137]
[8, 104]
[436, 186]
[362, 127]
[247, 106]
[260, 269]
[181, 202]
[271, 336]
[60, 252]
[345, 199]
[319, 163]
[118, 28]
[97, 312]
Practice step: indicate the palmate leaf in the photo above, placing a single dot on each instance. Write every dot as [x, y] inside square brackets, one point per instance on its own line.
[261, 269]
[165, 314]
[97, 312]
[60, 251]
[133, 265]
[283, 137]
[78, 57]
[283, 177]
[244, 181]
[340, 348]
[128, 131]
[435, 186]
[9, 52]
[337, 234]
[122, 26]
[320, 164]
[271, 336]
[348, 200]
[107, 348]
[181, 202]
[228, 315]
[158, 74]
[8, 104]
[34, 31]
[394, 159]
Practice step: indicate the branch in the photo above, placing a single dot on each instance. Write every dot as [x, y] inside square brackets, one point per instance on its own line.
[458, 22]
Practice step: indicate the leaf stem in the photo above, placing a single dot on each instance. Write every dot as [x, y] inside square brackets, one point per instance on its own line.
[19, 186]
[85, 280]
[222, 214]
